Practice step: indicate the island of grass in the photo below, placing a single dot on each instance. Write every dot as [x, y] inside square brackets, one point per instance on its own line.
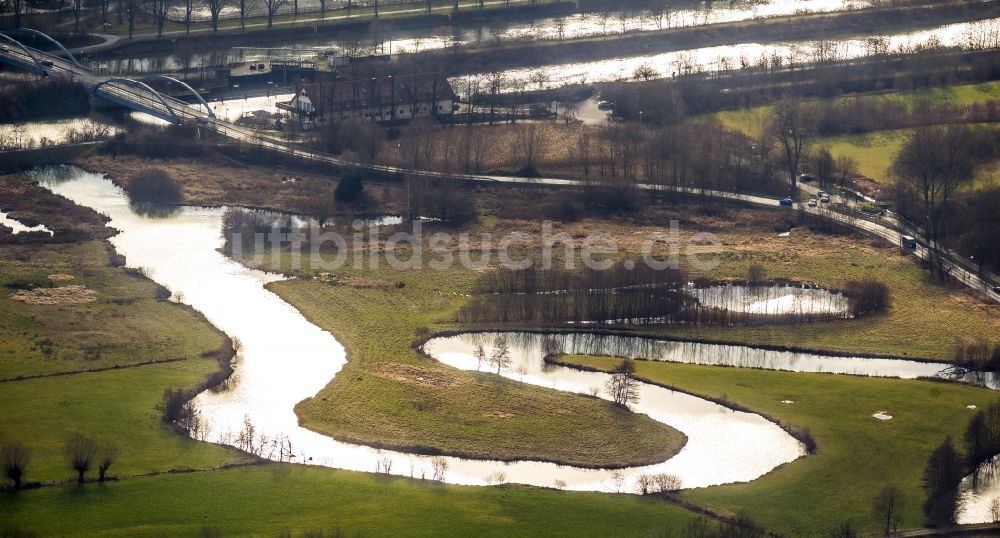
[390, 395]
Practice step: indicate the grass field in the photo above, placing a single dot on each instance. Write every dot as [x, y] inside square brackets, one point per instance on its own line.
[749, 121]
[268, 500]
[125, 327]
[133, 325]
[857, 453]
[388, 394]
[874, 151]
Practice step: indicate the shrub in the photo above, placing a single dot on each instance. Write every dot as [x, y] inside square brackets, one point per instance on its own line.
[452, 206]
[250, 229]
[868, 296]
[756, 273]
[565, 209]
[156, 186]
[350, 188]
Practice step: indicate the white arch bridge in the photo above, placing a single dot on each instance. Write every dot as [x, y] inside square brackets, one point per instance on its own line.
[134, 94]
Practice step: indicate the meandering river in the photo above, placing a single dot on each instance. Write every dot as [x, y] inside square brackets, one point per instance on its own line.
[284, 359]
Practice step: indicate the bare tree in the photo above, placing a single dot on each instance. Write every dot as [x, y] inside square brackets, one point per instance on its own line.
[480, 355]
[500, 357]
[666, 483]
[792, 126]
[887, 508]
[77, 9]
[215, 8]
[16, 8]
[272, 7]
[622, 386]
[531, 143]
[160, 9]
[106, 456]
[439, 466]
[14, 459]
[495, 81]
[847, 168]
[934, 162]
[645, 72]
[246, 6]
[188, 9]
[80, 452]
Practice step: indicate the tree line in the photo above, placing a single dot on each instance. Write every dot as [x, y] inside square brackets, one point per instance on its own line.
[81, 453]
[641, 295]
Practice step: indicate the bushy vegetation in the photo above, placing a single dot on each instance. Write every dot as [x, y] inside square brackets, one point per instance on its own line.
[350, 188]
[155, 186]
[453, 206]
[250, 229]
[51, 97]
[867, 296]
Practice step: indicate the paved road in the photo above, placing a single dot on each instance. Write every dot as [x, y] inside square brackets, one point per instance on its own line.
[144, 99]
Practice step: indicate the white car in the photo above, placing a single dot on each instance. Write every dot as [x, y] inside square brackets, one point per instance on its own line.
[812, 202]
[825, 199]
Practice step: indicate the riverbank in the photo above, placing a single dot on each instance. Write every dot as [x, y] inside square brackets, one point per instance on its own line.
[62, 374]
[856, 454]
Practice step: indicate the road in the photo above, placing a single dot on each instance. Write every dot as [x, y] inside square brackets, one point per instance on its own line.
[141, 98]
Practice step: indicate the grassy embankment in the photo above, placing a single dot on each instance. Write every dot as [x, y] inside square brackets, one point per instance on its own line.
[874, 151]
[857, 454]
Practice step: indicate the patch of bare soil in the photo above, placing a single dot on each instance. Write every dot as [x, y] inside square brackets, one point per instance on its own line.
[59, 277]
[414, 375]
[65, 295]
[353, 281]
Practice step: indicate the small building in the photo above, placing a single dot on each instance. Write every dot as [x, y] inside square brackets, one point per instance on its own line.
[388, 98]
[259, 74]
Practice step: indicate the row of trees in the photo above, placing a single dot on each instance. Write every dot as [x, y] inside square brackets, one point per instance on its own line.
[932, 168]
[82, 455]
[641, 295]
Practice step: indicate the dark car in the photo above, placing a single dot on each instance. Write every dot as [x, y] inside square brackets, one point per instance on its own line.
[787, 202]
[996, 289]
[606, 105]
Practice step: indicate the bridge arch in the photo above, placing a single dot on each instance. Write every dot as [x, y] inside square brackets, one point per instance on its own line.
[173, 117]
[185, 86]
[50, 39]
[39, 66]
